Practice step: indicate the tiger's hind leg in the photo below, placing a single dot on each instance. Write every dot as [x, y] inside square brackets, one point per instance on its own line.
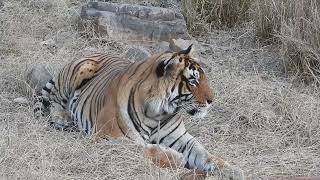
[85, 72]
[45, 105]
[61, 119]
[42, 102]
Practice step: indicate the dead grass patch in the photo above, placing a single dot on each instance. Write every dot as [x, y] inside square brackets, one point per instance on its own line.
[295, 25]
[206, 15]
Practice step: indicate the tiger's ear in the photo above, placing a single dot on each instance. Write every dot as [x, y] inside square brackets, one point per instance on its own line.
[178, 45]
[187, 51]
[160, 69]
[165, 68]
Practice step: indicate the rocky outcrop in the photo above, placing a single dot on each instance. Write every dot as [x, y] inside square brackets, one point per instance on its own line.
[137, 53]
[135, 23]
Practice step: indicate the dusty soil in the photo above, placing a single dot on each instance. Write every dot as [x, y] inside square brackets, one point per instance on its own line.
[263, 120]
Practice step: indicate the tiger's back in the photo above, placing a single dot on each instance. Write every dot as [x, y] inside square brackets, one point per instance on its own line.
[91, 97]
[76, 87]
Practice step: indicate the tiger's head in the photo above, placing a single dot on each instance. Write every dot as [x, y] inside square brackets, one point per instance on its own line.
[185, 83]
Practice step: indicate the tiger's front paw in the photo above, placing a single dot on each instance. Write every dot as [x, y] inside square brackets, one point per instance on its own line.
[226, 171]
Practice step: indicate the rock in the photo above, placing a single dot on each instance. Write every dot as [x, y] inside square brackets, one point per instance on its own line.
[49, 43]
[160, 47]
[140, 2]
[37, 77]
[21, 100]
[142, 24]
[172, 4]
[137, 53]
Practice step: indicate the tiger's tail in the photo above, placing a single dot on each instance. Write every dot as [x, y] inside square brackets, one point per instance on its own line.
[42, 101]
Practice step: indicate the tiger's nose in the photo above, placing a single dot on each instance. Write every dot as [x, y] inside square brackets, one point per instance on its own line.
[209, 101]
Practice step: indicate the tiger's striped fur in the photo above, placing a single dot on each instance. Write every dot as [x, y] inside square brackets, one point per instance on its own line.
[110, 97]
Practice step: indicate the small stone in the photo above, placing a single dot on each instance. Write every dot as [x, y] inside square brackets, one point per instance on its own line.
[49, 42]
[21, 100]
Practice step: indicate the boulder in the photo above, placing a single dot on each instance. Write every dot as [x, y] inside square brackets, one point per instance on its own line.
[137, 53]
[134, 23]
[160, 47]
[37, 77]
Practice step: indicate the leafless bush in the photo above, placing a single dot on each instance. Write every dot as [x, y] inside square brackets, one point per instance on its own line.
[214, 14]
[296, 25]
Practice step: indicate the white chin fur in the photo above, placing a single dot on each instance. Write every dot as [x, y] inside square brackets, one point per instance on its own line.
[201, 113]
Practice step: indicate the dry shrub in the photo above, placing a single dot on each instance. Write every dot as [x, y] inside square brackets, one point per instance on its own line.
[214, 14]
[296, 25]
[268, 18]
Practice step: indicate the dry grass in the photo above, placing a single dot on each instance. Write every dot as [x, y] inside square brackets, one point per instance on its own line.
[296, 25]
[206, 15]
[261, 121]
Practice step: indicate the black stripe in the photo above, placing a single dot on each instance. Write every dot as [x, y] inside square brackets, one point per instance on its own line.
[52, 82]
[180, 96]
[135, 70]
[172, 89]
[195, 158]
[161, 140]
[185, 146]
[177, 139]
[132, 106]
[162, 123]
[86, 128]
[122, 131]
[183, 149]
[180, 87]
[130, 112]
[187, 165]
[45, 103]
[47, 89]
[36, 109]
[190, 149]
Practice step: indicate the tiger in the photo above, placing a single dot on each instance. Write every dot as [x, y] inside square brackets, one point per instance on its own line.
[108, 97]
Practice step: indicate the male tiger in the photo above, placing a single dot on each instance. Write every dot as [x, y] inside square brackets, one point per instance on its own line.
[111, 97]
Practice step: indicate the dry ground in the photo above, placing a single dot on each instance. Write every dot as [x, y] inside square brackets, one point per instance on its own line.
[263, 120]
